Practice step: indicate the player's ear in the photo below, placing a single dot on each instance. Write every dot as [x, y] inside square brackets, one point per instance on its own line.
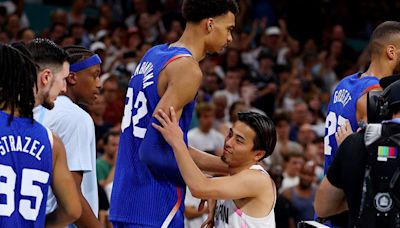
[391, 51]
[209, 24]
[72, 78]
[258, 154]
[45, 76]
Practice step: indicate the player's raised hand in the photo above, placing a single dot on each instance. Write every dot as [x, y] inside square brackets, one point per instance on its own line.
[169, 127]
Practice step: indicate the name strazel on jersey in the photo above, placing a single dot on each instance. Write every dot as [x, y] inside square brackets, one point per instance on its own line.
[11, 143]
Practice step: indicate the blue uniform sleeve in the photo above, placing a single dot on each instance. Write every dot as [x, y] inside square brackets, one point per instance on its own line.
[157, 154]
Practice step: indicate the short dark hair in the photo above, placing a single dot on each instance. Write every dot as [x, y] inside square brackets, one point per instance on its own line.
[383, 34]
[265, 131]
[108, 134]
[46, 53]
[197, 10]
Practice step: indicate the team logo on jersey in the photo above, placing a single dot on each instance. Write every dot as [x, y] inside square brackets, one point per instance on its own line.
[343, 96]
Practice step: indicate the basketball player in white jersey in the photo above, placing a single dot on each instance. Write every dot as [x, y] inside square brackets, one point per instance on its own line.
[246, 198]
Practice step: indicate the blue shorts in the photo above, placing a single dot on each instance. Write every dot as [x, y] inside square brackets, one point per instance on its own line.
[126, 225]
[177, 222]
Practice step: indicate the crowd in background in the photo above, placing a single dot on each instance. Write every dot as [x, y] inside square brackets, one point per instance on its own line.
[285, 60]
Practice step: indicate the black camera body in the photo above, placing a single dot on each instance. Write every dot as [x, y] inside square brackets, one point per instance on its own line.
[380, 104]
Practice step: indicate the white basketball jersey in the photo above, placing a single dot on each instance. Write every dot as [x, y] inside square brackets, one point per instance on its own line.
[227, 215]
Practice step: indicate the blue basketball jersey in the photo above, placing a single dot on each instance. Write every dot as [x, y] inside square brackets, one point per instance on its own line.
[25, 172]
[343, 106]
[141, 194]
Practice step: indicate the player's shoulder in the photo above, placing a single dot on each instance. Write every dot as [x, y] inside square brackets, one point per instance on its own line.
[349, 79]
[184, 63]
[70, 110]
[183, 71]
[68, 115]
[258, 174]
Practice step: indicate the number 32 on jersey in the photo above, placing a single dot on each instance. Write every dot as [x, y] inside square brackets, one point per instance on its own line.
[141, 110]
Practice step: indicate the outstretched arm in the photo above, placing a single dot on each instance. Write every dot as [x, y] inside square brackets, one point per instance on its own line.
[208, 162]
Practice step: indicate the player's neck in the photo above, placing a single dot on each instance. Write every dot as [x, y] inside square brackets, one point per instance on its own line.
[190, 40]
[8, 111]
[238, 169]
[38, 98]
[38, 101]
[378, 70]
[70, 94]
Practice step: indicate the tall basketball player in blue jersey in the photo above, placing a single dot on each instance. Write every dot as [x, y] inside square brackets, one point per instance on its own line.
[148, 190]
[348, 103]
[31, 157]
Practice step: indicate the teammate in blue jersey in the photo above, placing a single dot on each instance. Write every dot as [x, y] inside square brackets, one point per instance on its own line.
[31, 157]
[148, 189]
[348, 102]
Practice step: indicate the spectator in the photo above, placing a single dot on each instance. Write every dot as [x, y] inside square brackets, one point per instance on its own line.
[76, 15]
[101, 127]
[302, 196]
[306, 136]
[114, 104]
[300, 115]
[204, 137]
[284, 146]
[105, 163]
[284, 212]
[293, 163]
[26, 35]
[266, 84]
[231, 89]
[220, 103]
